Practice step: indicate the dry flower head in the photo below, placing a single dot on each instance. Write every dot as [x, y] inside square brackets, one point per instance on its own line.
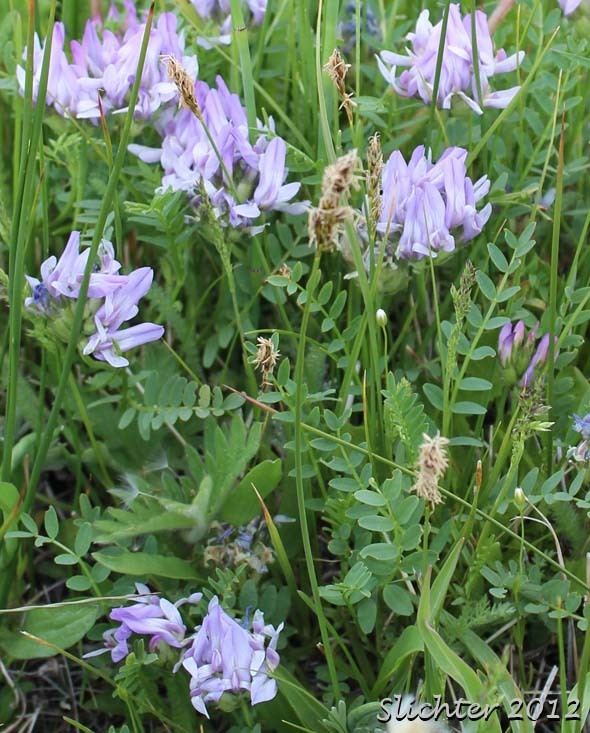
[337, 68]
[266, 359]
[432, 463]
[185, 85]
[325, 222]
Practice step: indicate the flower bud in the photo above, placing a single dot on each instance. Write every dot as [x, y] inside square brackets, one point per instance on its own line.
[519, 498]
[381, 318]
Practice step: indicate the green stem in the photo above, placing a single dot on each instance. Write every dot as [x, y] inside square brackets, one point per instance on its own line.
[553, 294]
[241, 35]
[72, 346]
[20, 235]
[302, 511]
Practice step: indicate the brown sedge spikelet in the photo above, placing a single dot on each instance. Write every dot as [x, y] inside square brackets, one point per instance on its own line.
[185, 85]
[374, 172]
[432, 463]
[266, 359]
[325, 222]
[337, 68]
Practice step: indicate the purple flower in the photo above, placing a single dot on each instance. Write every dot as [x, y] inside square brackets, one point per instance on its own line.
[568, 6]
[423, 202]
[63, 277]
[241, 180]
[108, 345]
[219, 11]
[539, 358]
[582, 425]
[227, 658]
[109, 342]
[120, 295]
[511, 337]
[151, 616]
[457, 76]
[107, 61]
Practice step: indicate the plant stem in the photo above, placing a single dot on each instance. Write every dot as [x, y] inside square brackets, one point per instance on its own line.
[302, 511]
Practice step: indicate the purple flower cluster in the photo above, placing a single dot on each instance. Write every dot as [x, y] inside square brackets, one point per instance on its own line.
[457, 76]
[568, 6]
[225, 657]
[151, 616]
[423, 202]
[104, 65]
[219, 11]
[241, 180]
[60, 282]
[515, 348]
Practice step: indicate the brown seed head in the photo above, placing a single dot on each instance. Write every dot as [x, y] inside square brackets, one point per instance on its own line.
[266, 359]
[337, 69]
[432, 463]
[185, 85]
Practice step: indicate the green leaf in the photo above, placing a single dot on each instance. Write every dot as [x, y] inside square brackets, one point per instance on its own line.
[65, 559]
[381, 551]
[241, 505]
[483, 654]
[469, 408]
[371, 498]
[62, 626]
[29, 523]
[376, 523]
[475, 384]
[79, 583]
[409, 643]
[448, 661]
[497, 257]
[486, 285]
[142, 563]
[51, 523]
[83, 539]
[443, 580]
[309, 712]
[434, 395]
[8, 498]
[127, 418]
[366, 614]
[398, 599]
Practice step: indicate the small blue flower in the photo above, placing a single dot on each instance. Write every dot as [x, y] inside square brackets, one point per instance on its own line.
[582, 425]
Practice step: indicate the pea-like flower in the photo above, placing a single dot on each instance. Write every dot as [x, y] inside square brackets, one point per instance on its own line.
[426, 205]
[516, 350]
[219, 11]
[226, 658]
[457, 73]
[152, 616]
[211, 152]
[510, 338]
[568, 6]
[112, 300]
[104, 65]
[63, 276]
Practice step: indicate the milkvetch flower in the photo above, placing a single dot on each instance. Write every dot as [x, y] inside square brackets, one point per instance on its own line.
[152, 616]
[511, 337]
[457, 75]
[518, 350]
[112, 300]
[63, 276]
[426, 205]
[226, 658]
[104, 63]
[219, 11]
[240, 179]
[568, 6]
